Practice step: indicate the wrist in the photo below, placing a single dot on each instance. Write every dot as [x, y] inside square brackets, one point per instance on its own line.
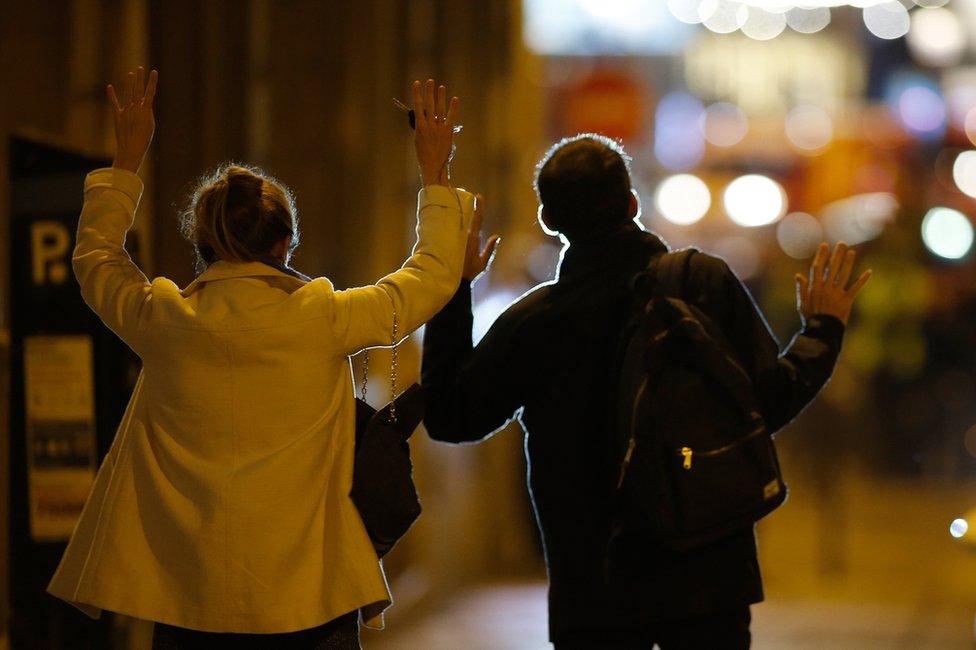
[128, 163]
[431, 175]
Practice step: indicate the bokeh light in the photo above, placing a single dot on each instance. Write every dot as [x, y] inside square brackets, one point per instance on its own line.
[918, 104]
[888, 20]
[685, 10]
[683, 199]
[754, 200]
[808, 20]
[964, 172]
[762, 25]
[809, 128]
[936, 37]
[799, 234]
[723, 16]
[678, 141]
[724, 124]
[970, 125]
[947, 233]
[860, 218]
[958, 528]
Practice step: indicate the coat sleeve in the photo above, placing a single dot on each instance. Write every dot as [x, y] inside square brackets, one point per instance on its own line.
[785, 381]
[363, 317]
[111, 283]
[472, 391]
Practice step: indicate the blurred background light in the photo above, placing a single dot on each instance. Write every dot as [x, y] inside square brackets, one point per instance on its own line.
[931, 3]
[958, 528]
[970, 125]
[809, 128]
[683, 199]
[678, 141]
[799, 234]
[723, 16]
[754, 200]
[724, 124]
[685, 10]
[860, 218]
[916, 101]
[592, 27]
[959, 88]
[947, 233]
[888, 20]
[936, 37]
[964, 172]
[808, 20]
[763, 25]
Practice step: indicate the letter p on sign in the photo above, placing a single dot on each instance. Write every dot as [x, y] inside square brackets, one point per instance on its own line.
[50, 241]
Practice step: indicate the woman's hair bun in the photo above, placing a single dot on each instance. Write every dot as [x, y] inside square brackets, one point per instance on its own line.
[239, 213]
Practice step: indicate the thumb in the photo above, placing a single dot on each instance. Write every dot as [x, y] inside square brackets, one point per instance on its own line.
[489, 251]
[801, 288]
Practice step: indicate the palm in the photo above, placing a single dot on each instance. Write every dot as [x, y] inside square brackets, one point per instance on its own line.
[476, 258]
[135, 121]
[826, 290]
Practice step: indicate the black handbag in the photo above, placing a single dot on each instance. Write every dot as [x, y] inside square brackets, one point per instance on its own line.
[382, 483]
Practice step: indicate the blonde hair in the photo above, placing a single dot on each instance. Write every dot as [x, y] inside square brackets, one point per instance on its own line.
[239, 213]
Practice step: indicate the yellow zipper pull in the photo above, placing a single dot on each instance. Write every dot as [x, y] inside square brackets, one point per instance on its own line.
[686, 452]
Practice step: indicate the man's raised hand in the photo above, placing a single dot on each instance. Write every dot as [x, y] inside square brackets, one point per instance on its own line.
[826, 290]
[434, 131]
[476, 258]
[135, 122]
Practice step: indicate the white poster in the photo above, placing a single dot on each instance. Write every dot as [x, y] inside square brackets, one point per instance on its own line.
[59, 391]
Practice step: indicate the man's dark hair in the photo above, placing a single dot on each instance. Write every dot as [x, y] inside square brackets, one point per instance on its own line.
[583, 183]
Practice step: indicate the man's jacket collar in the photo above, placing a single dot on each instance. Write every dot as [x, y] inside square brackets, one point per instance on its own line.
[615, 248]
[221, 270]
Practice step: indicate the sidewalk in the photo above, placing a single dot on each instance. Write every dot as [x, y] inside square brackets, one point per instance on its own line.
[513, 617]
[872, 566]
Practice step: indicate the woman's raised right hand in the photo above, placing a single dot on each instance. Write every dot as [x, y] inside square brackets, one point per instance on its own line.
[434, 131]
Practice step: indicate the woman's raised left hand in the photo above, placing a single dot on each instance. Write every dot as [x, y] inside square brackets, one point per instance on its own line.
[135, 122]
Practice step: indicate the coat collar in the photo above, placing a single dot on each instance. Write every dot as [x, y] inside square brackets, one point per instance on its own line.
[612, 249]
[221, 270]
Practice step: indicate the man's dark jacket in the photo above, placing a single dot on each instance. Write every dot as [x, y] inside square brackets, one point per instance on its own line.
[549, 360]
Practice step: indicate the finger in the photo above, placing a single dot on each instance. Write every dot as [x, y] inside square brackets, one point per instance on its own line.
[859, 283]
[478, 218]
[817, 273]
[846, 268]
[418, 104]
[802, 284]
[835, 262]
[150, 95]
[429, 100]
[452, 113]
[819, 260]
[802, 290]
[113, 98]
[130, 80]
[441, 101]
[140, 88]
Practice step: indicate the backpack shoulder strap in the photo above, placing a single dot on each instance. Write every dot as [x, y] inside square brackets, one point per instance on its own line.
[670, 271]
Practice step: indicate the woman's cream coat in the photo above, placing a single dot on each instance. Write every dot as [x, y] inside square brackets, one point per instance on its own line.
[223, 504]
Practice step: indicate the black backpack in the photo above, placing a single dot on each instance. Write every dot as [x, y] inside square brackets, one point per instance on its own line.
[696, 462]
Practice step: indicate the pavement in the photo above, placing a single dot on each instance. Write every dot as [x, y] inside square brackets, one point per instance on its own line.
[866, 564]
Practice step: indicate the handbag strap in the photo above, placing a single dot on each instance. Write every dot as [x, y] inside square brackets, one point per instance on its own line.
[393, 370]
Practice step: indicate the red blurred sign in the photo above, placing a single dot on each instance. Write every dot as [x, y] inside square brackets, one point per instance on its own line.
[607, 102]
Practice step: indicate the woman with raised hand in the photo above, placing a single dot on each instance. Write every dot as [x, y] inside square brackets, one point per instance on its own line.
[223, 504]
